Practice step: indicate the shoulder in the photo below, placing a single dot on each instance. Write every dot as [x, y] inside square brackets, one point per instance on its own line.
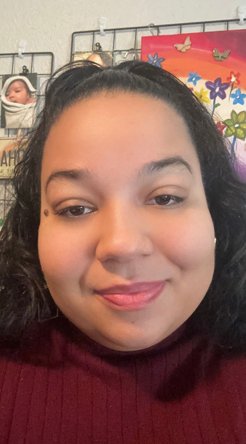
[40, 345]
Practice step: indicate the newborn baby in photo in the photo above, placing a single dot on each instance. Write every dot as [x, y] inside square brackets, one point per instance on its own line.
[18, 99]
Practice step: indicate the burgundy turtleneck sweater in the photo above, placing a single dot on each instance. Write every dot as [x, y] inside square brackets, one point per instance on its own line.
[65, 388]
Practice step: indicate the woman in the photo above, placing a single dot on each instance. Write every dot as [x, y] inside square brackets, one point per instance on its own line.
[129, 231]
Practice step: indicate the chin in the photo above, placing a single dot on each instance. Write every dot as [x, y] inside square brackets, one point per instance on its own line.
[131, 342]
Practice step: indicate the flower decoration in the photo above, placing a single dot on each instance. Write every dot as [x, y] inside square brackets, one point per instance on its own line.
[202, 95]
[238, 97]
[155, 60]
[236, 126]
[217, 89]
[220, 127]
[193, 77]
[233, 79]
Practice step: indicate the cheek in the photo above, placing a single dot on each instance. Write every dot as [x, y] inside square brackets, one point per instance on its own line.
[189, 241]
[24, 98]
[62, 256]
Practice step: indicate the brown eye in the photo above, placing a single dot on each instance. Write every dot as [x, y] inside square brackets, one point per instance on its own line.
[168, 200]
[163, 200]
[74, 211]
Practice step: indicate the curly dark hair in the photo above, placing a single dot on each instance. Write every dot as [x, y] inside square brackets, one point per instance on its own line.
[24, 298]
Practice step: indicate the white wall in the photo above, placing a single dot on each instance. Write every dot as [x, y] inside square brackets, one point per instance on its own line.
[47, 25]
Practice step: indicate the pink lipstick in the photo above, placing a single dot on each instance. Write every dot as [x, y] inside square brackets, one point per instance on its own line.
[132, 297]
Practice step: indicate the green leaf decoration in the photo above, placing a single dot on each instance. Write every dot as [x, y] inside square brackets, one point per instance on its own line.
[228, 122]
[234, 116]
[241, 117]
[217, 104]
[240, 134]
[230, 131]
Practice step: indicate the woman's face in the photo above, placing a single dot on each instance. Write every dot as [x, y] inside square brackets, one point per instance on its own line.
[107, 161]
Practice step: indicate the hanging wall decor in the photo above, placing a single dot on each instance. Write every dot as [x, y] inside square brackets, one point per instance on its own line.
[213, 66]
[18, 98]
[103, 58]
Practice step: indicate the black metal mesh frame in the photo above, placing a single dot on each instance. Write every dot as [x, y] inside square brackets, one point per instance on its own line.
[134, 49]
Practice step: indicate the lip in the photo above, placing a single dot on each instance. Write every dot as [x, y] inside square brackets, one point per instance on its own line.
[131, 297]
[132, 288]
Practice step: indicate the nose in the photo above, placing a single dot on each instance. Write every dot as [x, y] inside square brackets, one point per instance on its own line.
[123, 236]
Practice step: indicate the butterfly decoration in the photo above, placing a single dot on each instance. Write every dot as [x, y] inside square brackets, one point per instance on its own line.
[183, 47]
[221, 56]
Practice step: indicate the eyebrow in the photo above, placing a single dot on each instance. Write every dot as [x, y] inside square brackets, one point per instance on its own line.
[160, 165]
[147, 169]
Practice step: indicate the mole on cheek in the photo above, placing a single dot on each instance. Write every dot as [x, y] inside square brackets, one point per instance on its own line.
[46, 213]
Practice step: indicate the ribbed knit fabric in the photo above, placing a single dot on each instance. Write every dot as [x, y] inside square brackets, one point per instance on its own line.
[67, 389]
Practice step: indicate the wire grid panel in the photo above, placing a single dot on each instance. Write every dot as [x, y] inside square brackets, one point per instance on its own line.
[125, 43]
[6, 198]
[41, 63]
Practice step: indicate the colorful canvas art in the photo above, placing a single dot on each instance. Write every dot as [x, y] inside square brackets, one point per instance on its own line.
[213, 66]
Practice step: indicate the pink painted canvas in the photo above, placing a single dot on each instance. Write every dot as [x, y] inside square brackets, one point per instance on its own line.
[213, 66]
